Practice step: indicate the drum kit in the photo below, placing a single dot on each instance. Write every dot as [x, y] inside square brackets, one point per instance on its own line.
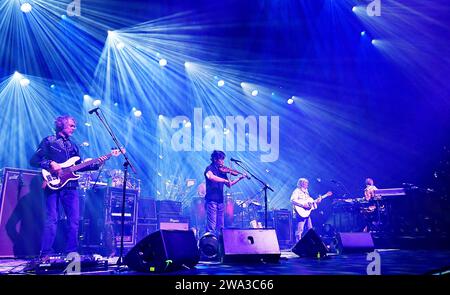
[107, 177]
[238, 211]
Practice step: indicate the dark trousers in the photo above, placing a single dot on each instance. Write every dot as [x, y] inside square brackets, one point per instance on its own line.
[70, 201]
[214, 217]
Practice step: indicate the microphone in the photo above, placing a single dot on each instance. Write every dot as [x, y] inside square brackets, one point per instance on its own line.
[93, 110]
[234, 160]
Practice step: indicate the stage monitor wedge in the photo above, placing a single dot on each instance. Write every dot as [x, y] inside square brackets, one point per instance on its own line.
[164, 251]
[250, 245]
[311, 245]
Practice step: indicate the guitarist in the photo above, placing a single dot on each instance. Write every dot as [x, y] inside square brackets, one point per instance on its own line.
[52, 150]
[300, 197]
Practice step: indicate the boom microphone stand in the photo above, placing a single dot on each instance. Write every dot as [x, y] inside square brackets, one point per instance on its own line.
[127, 163]
[265, 188]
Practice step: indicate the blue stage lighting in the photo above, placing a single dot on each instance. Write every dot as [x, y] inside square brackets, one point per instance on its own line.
[255, 92]
[221, 83]
[26, 7]
[137, 113]
[24, 82]
[363, 33]
[163, 62]
[120, 45]
[97, 103]
[355, 8]
[290, 101]
[17, 75]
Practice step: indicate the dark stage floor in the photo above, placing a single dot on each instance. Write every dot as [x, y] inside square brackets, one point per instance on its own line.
[392, 262]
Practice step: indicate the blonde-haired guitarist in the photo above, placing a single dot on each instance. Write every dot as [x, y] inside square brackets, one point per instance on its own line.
[302, 205]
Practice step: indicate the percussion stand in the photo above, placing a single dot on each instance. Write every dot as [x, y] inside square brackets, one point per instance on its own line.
[127, 163]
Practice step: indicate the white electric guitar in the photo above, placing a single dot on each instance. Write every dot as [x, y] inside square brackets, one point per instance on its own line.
[311, 204]
[57, 181]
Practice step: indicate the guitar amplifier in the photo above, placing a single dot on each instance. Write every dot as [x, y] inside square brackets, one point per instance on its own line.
[173, 222]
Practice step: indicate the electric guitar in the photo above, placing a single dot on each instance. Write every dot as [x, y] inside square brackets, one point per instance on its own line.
[312, 205]
[57, 180]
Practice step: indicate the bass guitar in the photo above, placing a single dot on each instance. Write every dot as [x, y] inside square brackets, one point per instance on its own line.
[311, 204]
[57, 180]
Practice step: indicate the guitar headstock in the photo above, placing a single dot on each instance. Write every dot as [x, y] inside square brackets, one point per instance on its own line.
[328, 194]
[117, 152]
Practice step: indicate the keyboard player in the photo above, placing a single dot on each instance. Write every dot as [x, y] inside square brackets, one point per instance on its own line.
[371, 211]
[369, 191]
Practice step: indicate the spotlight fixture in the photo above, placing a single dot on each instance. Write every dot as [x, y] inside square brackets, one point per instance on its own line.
[209, 246]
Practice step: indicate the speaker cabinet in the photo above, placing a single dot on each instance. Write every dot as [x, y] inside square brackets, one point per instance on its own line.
[164, 251]
[311, 245]
[283, 225]
[22, 213]
[250, 245]
[355, 242]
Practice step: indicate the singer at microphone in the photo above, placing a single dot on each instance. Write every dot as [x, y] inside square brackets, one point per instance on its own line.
[93, 110]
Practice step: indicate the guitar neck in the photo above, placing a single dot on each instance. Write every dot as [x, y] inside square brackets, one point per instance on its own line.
[87, 163]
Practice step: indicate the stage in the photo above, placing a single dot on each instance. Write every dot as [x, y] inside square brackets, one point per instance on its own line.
[393, 262]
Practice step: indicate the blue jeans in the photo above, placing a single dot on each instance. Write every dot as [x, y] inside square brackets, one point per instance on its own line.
[215, 217]
[70, 202]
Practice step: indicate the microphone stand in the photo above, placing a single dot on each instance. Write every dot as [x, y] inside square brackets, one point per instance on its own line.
[127, 163]
[265, 188]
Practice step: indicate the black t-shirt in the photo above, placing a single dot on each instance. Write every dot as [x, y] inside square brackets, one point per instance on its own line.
[214, 190]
